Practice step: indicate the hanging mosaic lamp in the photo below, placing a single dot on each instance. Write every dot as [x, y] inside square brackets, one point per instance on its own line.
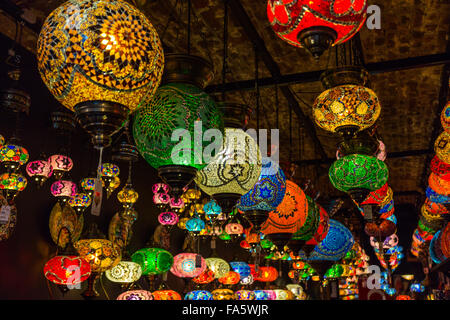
[135, 295]
[445, 117]
[233, 171]
[245, 295]
[440, 168]
[309, 228]
[212, 210]
[188, 265]
[316, 25]
[242, 268]
[235, 230]
[88, 184]
[346, 109]
[11, 184]
[80, 201]
[166, 295]
[442, 147]
[177, 205]
[8, 223]
[223, 294]
[124, 272]
[110, 177]
[439, 185]
[179, 104]
[153, 260]
[60, 165]
[13, 156]
[63, 190]
[199, 295]
[261, 295]
[111, 60]
[127, 196]
[358, 175]
[39, 170]
[168, 218]
[376, 197]
[219, 266]
[195, 225]
[267, 193]
[64, 270]
[230, 278]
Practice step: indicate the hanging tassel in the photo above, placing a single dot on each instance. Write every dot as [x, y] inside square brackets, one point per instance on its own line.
[98, 188]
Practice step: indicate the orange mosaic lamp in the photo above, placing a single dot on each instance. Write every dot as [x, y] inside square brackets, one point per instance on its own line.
[166, 295]
[100, 58]
[439, 185]
[230, 278]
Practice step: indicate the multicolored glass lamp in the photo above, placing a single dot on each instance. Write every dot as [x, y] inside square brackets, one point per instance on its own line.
[199, 295]
[60, 165]
[63, 190]
[80, 201]
[176, 107]
[110, 176]
[358, 175]
[188, 265]
[39, 170]
[153, 260]
[13, 156]
[64, 270]
[11, 184]
[316, 25]
[100, 58]
[124, 272]
[265, 196]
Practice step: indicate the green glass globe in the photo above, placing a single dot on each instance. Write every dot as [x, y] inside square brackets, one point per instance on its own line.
[357, 171]
[153, 260]
[309, 228]
[174, 106]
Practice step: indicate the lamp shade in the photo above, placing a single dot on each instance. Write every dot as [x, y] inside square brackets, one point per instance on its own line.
[188, 265]
[211, 208]
[439, 185]
[101, 254]
[223, 294]
[110, 170]
[99, 50]
[205, 277]
[82, 200]
[195, 225]
[13, 182]
[346, 106]
[67, 270]
[166, 295]
[127, 196]
[219, 266]
[168, 218]
[242, 268]
[60, 162]
[230, 278]
[358, 171]
[442, 147]
[268, 191]
[160, 188]
[290, 18]
[63, 188]
[245, 295]
[236, 167]
[124, 272]
[175, 106]
[290, 214]
[440, 168]
[199, 295]
[267, 274]
[377, 196]
[39, 168]
[14, 154]
[135, 295]
[153, 260]
[309, 228]
[436, 197]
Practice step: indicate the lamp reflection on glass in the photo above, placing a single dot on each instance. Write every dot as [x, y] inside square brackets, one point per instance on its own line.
[39, 170]
[60, 165]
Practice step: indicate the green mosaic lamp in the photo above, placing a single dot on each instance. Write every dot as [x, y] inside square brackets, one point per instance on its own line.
[358, 175]
[166, 128]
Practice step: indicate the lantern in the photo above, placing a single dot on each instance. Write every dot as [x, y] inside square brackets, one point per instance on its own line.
[80, 201]
[233, 171]
[439, 185]
[281, 294]
[100, 59]
[199, 295]
[261, 295]
[110, 177]
[267, 274]
[13, 156]
[39, 170]
[124, 272]
[188, 265]
[445, 117]
[440, 168]
[219, 266]
[377, 196]
[245, 295]
[234, 229]
[60, 165]
[242, 268]
[88, 185]
[166, 295]
[135, 295]
[160, 188]
[195, 225]
[63, 190]
[311, 224]
[67, 270]
[223, 294]
[168, 218]
[153, 260]
[205, 277]
[247, 280]
[230, 278]
[101, 254]
[11, 184]
[442, 147]
[316, 25]
[127, 196]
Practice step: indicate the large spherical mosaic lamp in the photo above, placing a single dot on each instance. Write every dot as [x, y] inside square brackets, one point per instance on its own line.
[153, 260]
[100, 58]
[219, 266]
[60, 164]
[67, 270]
[233, 171]
[316, 25]
[168, 128]
[358, 175]
[267, 193]
[188, 265]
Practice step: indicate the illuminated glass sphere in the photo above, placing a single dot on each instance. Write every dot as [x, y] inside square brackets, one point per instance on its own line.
[346, 106]
[188, 265]
[290, 214]
[161, 199]
[205, 277]
[166, 295]
[235, 168]
[182, 223]
[281, 294]
[124, 272]
[442, 147]
[63, 188]
[99, 50]
[40, 168]
[358, 171]
[101, 254]
[245, 295]
[234, 228]
[223, 294]
[261, 295]
[267, 274]
[211, 208]
[195, 225]
[311, 224]
[168, 218]
[88, 184]
[174, 106]
[268, 191]
[110, 170]
[439, 185]
[219, 266]
[12, 182]
[230, 278]
[199, 295]
[80, 201]
[14, 155]
[60, 164]
[247, 280]
[242, 268]
[127, 196]
[67, 270]
[135, 295]
[445, 117]
[289, 18]
[153, 260]
[440, 168]
[176, 204]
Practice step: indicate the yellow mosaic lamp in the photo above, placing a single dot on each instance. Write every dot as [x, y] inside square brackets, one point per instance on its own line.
[100, 59]
[442, 147]
[346, 109]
